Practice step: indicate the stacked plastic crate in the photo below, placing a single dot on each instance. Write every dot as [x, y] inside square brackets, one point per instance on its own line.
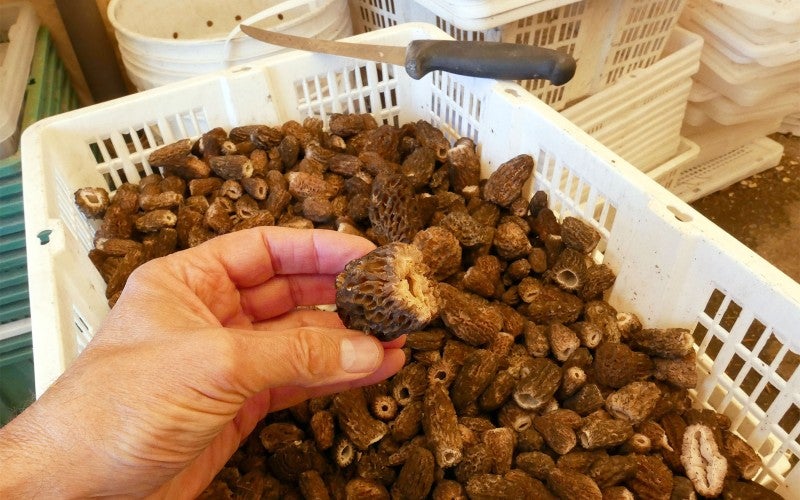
[609, 39]
[747, 85]
[43, 89]
[634, 68]
[791, 125]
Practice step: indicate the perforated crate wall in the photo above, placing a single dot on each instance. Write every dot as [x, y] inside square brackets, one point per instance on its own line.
[608, 39]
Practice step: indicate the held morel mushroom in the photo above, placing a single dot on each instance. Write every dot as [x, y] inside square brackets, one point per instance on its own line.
[388, 292]
[521, 381]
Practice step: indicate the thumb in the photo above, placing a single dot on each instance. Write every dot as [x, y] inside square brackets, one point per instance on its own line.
[306, 357]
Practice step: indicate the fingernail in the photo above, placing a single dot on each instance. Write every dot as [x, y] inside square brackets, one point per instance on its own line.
[359, 354]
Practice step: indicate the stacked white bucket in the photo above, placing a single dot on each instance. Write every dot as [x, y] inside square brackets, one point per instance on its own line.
[18, 28]
[163, 42]
[747, 85]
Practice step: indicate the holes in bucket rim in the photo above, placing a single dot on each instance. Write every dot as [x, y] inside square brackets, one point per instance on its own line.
[174, 34]
[209, 23]
[237, 17]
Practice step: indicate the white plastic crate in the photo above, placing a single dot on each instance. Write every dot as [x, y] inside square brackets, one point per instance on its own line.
[667, 173]
[476, 15]
[742, 73]
[701, 17]
[646, 103]
[608, 38]
[754, 92]
[700, 92]
[757, 29]
[768, 14]
[18, 27]
[675, 268]
[698, 179]
[715, 139]
[791, 125]
[727, 112]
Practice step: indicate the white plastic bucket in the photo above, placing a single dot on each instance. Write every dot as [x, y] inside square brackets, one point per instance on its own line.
[147, 76]
[162, 42]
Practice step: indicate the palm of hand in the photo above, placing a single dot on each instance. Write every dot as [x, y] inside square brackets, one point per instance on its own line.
[202, 346]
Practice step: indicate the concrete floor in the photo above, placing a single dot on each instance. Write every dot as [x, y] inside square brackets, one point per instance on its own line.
[763, 211]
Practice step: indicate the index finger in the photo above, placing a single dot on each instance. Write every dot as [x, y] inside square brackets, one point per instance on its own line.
[253, 256]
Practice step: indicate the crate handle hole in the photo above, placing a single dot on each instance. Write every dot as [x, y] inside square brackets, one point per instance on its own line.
[44, 236]
[679, 215]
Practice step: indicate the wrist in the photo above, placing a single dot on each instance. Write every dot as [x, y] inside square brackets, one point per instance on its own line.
[33, 460]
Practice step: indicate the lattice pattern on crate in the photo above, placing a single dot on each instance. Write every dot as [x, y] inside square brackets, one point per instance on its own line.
[454, 108]
[122, 156]
[77, 223]
[558, 29]
[366, 88]
[569, 194]
[748, 373]
[374, 15]
[694, 181]
[640, 40]
[462, 34]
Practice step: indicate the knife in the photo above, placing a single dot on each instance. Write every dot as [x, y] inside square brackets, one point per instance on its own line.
[501, 61]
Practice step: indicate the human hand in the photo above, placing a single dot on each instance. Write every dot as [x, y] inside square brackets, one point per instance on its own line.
[199, 347]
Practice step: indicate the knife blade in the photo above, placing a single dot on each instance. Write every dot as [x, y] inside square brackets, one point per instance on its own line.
[498, 60]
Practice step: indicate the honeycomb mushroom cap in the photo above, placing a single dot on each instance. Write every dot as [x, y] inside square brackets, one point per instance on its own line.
[388, 292]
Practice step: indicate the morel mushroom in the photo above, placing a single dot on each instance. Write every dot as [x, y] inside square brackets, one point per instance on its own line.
[388, 292]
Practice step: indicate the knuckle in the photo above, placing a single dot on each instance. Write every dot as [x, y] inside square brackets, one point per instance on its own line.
[149, 274]
[313, 354]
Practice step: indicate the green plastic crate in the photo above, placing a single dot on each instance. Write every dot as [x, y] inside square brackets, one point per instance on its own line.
[16, 376]
[48, 93]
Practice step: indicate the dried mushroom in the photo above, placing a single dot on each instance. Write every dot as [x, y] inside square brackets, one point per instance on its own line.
[521, 381]
[388, 292]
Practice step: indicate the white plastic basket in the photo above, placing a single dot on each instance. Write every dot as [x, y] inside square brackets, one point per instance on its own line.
[477, 15]
[675, 268]
[18, 27]
[715, 139]
[742, 73]
[702, 18]
[608, 38]
[700, 92]
[757, 29]
[646, 103]
[668, 172]
[791, 125]
[768, 13]
[727, 112]
[754, 92]
[699, 178]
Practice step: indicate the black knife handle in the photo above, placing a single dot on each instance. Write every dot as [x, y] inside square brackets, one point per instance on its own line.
[501, 61]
